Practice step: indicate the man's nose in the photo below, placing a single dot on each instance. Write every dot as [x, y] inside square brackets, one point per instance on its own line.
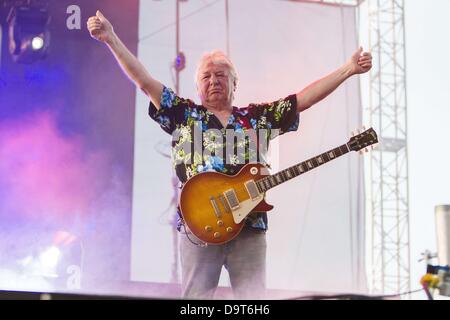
[213, 79]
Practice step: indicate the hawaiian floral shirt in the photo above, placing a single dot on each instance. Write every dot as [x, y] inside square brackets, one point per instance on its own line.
[193, 125]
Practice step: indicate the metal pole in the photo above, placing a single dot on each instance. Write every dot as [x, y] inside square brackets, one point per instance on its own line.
[177, 46]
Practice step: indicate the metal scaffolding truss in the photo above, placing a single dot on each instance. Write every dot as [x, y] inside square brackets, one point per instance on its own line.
[389, 162]
[388, 194]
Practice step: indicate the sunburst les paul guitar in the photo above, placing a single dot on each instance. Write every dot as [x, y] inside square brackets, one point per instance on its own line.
[214, 205]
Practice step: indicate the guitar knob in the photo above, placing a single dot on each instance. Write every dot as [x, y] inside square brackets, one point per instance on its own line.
[216, 235]
[229, 229]
[219, 223]
[208, 228]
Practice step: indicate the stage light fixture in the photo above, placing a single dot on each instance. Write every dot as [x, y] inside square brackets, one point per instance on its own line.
[37, 43]
[28, 33]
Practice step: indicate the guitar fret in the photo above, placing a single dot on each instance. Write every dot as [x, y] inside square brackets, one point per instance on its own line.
[263, 184]
[278, 178]
[320, 160]
[337, 152]
[303, 166]
[261, 188]
[291, 172]
[266, 184]
[272, 181]
[288, 173]
[300, 168]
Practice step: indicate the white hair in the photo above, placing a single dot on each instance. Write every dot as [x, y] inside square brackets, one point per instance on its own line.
[219, 57]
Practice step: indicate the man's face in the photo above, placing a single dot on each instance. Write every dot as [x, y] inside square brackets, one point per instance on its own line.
[214, 84]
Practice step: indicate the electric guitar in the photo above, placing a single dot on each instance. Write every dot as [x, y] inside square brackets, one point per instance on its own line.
[214, 205]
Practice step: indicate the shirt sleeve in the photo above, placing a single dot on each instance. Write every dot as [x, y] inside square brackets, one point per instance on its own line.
[280, 115]
[172, 111]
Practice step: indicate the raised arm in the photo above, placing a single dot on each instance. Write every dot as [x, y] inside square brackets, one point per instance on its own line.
[359, 63]
[102, 30]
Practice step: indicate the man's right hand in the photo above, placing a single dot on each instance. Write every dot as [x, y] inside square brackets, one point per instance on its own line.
[100, 28]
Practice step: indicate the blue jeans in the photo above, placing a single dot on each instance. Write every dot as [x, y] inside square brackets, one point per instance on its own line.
[244, 257]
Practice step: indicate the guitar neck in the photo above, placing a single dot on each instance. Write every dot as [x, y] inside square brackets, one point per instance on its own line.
[278, 178]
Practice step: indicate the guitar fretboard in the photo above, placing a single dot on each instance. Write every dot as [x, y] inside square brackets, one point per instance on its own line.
[274, 180]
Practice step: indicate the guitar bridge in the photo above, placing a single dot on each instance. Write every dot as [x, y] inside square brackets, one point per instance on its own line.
[232, 199]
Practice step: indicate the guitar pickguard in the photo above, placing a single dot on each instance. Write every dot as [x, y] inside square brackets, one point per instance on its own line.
[245, 207]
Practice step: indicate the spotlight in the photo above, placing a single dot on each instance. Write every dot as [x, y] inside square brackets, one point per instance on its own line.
[37, 43]
[29, 37]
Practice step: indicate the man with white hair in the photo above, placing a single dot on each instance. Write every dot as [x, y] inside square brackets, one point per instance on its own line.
[216, 78]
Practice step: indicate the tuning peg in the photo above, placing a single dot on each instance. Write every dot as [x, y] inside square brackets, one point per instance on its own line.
[364, 128]
[353, 134]
[366, 150]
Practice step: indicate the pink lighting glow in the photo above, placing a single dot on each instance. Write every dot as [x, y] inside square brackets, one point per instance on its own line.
[45, 173]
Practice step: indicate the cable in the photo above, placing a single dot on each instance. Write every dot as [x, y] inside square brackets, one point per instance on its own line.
[203, 245]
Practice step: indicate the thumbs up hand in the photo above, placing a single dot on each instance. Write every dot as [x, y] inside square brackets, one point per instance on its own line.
[100, 28]
[360, 62]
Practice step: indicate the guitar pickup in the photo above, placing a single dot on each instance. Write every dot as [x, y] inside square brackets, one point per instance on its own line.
[252, 189]
[232, 199]
[224, 203]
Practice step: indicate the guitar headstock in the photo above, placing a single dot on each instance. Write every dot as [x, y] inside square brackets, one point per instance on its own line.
[363, 140]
